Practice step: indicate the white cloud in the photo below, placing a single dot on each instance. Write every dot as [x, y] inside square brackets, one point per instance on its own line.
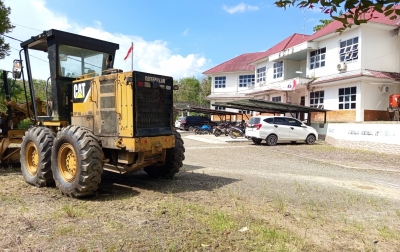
[185, 32]
[242, 7]
[149, 56]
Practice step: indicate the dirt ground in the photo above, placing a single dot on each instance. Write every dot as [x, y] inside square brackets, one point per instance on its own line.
[305, 198]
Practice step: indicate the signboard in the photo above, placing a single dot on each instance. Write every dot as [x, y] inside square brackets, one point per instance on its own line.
[289, 85]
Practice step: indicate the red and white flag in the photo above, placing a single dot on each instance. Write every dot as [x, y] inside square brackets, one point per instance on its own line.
[129, 52]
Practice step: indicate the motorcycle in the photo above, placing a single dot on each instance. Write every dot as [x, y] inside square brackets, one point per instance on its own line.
[203, 130]
[237, 131]
[222, 128]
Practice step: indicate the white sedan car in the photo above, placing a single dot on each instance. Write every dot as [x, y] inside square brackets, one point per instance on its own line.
[274, 129]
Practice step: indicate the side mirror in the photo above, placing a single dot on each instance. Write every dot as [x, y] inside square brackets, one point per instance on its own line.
[176, 87]
[63, 57]
[17, 69]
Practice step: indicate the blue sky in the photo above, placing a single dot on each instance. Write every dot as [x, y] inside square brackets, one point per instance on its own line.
[179, 38]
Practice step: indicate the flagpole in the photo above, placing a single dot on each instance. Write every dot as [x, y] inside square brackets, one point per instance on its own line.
[132, 56]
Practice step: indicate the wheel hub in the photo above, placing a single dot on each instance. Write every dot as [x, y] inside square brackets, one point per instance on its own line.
[32, 158]
[67, 163]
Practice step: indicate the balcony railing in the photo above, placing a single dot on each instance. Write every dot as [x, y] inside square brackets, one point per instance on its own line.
[284, 85]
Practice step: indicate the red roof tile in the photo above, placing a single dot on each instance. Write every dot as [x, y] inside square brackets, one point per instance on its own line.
[288, 42]
[372, 17]
[240, 63]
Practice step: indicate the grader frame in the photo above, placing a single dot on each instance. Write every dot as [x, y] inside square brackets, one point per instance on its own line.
[101, 118]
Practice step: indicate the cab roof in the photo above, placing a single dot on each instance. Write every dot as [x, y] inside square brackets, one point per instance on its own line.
[41, 42]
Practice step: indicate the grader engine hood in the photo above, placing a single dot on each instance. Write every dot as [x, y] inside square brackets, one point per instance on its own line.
[130, 104]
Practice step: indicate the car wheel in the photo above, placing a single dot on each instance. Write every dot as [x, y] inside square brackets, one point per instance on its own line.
[191, 128]
[310, 139]
[272, 140]
[256, 141]
[293, 142]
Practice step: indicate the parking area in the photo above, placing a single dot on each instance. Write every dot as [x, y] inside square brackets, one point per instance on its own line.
[320, 151]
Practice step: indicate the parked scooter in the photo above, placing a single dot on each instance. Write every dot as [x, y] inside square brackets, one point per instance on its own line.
[203, 130]
[238, 131]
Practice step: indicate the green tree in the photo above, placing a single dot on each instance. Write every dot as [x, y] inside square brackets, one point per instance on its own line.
[15, 89]
[354, 9]
[5, 27]
[325, 22]
[193, 91]
[40, 89]
[188, 90]
[205, 90]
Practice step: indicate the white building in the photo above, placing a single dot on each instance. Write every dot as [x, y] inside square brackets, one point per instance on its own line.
[352, 74]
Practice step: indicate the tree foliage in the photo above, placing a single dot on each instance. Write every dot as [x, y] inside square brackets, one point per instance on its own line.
[17, 93]
[5, 27]
[15, 89]
[323, 23]
[356, 11]
[193, 91]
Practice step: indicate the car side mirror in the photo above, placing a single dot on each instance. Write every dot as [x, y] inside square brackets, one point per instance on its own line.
[304, 126]
[17, 69]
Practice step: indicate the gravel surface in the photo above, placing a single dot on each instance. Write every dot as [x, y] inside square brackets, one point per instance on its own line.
[344, 184]
[230, 195]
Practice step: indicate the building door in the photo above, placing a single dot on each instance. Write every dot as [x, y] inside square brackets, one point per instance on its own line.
[302, 103]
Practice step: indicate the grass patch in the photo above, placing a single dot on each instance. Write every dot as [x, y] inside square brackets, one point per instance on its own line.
[208, 228]
[388, 233]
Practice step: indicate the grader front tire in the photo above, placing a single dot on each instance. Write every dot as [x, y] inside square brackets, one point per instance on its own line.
[35, 156]
[173, 161]
[76, 162]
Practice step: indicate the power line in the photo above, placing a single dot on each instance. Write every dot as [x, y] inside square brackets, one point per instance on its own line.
[12, 38]
[31, 55]
[26, 27]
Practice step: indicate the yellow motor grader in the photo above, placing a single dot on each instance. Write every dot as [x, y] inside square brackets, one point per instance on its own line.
[100, 118]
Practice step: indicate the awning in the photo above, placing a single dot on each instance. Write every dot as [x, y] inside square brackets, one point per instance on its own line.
[222, 114]
[270, 107]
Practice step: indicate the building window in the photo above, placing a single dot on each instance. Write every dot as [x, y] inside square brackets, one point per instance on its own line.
[276, 99]
[247, 112]
[219, 82]
[347, 98]
[317, 99]
[246, 80]
[261, 74]
[317, 58]
[219, 108]
[278, 69]
[348, 50]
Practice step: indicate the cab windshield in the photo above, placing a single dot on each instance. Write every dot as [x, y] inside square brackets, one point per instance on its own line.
[75, 61]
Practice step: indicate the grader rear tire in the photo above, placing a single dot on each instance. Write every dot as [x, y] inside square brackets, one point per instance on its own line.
[35, 156]
[76, 162]
[173, 161]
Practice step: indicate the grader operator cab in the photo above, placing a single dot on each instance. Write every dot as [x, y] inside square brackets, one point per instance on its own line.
[99, 117]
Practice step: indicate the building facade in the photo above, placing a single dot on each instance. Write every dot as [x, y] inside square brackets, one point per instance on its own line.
[352, 73]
